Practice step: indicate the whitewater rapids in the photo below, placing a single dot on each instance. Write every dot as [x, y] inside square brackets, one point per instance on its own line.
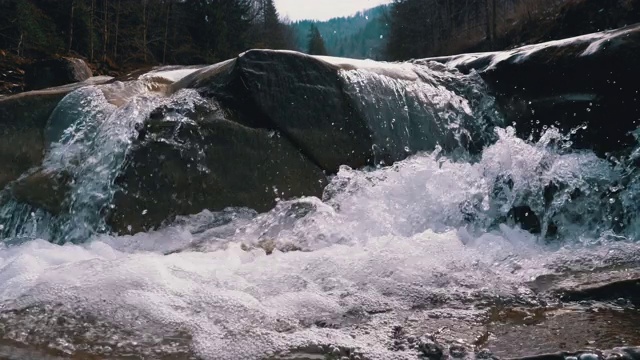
[383, 243]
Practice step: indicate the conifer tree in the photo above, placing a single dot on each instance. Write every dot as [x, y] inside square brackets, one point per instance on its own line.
[316, 43]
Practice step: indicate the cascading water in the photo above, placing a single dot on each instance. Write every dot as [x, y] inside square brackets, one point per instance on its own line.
[88, 136]
[382, 246]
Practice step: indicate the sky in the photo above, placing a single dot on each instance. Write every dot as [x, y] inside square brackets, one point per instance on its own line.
[323, 9]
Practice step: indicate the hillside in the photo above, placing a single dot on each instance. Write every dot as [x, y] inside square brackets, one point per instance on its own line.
[360, 36]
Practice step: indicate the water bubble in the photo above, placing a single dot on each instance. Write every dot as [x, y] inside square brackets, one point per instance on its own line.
[406, 148]
[612, 201]
[145, 211]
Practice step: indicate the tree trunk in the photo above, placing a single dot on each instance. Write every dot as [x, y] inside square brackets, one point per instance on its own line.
[105, 31]
[166, 34]
[488, 20]
[494, 18]
[73, 5]
[115, 41]
[144, 30]
[93, 8]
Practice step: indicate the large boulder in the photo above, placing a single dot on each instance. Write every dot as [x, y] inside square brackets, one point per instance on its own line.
[587, 85]
[183, 165]
[297, 94]
[342, 111]
[23, 119]
[55, 72]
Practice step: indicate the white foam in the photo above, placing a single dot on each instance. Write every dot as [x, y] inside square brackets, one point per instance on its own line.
[385, 239]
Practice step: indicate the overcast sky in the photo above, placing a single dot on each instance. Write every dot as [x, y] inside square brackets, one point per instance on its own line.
[323, 9]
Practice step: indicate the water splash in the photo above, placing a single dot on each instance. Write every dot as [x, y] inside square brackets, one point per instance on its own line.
[381, 243]
[88, 136]
[438, 108]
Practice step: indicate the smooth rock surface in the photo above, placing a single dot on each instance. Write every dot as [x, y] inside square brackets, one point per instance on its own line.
[348, 112]
[298, 94]
[23, 118]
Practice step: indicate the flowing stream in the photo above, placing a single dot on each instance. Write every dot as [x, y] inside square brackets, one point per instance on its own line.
[382, 245]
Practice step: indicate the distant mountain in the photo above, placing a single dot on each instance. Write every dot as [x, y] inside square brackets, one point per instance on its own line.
[361, 36]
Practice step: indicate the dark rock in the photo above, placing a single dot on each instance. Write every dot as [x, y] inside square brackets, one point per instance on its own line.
[628, 289]
[23, 119]
[457, 351]
[430, 349]
[338, 121]
[626, 353]
[587, 85]
[44, 189]
[55, 72]
[184, 167]
[484, 354]
[297, 94]
[526, 218]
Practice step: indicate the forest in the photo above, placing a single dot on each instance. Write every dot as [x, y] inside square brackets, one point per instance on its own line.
[424, 28]
[115, 35]
[134, 33]
[360, 36]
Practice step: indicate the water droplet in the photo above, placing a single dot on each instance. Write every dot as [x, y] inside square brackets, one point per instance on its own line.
[612, 201]
[588, 109]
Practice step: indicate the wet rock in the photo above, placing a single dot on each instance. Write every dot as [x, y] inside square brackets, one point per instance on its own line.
[55, 72]
[45, 189]
[484, 354]
[22, 122]
[526, 218]
[296, 94]
[330, 118]
[23, 118]
[626, 290]
[183, 167]
[431, 349]
[457, 351]
[590, 87]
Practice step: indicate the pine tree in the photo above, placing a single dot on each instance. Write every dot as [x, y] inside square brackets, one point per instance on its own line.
[316, 43]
